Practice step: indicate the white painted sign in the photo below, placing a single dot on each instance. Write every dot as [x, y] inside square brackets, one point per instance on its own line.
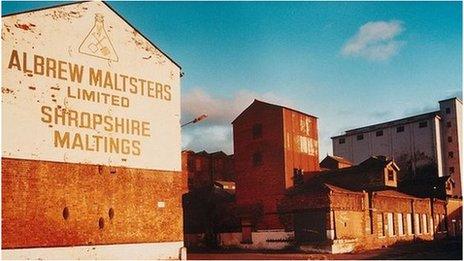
[81, 85]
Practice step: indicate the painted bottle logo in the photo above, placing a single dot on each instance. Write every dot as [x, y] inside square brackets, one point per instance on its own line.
[97, 43]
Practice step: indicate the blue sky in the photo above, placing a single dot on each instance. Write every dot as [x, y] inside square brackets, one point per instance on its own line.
[348, 63]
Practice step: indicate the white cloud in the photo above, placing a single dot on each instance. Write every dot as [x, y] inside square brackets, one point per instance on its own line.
[375, 40]
[215, 132]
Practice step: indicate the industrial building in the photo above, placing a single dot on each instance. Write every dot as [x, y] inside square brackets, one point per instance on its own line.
[205, 169]
[419, 144]
[82, 93]
[286, 198]
[272, 145]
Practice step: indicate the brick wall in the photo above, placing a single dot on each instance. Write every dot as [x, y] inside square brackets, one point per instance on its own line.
[204, 168]
[265, 182]
[36, 193]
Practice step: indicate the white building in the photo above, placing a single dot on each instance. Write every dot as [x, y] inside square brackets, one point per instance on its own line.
[418, 143]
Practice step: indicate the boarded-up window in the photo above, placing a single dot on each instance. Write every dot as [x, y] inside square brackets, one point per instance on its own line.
[257, 131]
[380, 225]
[409, 223]
[424, 223]
[417, 224]
[257, 159]
[430, 225]
[400, 224]
[390, 227]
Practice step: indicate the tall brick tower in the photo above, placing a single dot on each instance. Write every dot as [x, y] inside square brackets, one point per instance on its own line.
[273, 145]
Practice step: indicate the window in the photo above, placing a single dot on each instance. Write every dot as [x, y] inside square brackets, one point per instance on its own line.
[391, 175]
[400, 224]
[424, 223]
[400, 129]
[422, 124]
[360, 137]
[448, 110]
[450, 139]
[341, 141]
[298, 177]
[409, 223]
[417, 225]
[448, 124]
[450, 154]
[390, 226]
[257, 131]
[257, 159]
[380, 225]
[379, 133]
[451, 170]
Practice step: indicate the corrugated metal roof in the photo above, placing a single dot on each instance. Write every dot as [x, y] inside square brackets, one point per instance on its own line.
[389, 124]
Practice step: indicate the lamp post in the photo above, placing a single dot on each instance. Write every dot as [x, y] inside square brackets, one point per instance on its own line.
[197, 119]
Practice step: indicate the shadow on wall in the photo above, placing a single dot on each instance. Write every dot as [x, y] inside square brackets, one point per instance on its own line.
[207, 212]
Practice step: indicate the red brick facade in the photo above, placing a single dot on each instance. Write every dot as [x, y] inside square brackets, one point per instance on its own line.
[49, 204]
[270, 142]
[203, 168]
[284, 195]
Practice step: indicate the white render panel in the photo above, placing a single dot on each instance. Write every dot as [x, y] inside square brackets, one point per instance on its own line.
[402, 146]
[39, 50]
[140, 251]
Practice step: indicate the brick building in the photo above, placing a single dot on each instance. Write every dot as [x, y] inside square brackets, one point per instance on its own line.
[423, 143]
[203, 169]
[273, 145]
[209, 205]
[78, 199]
[331, 213]
[284, 198]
